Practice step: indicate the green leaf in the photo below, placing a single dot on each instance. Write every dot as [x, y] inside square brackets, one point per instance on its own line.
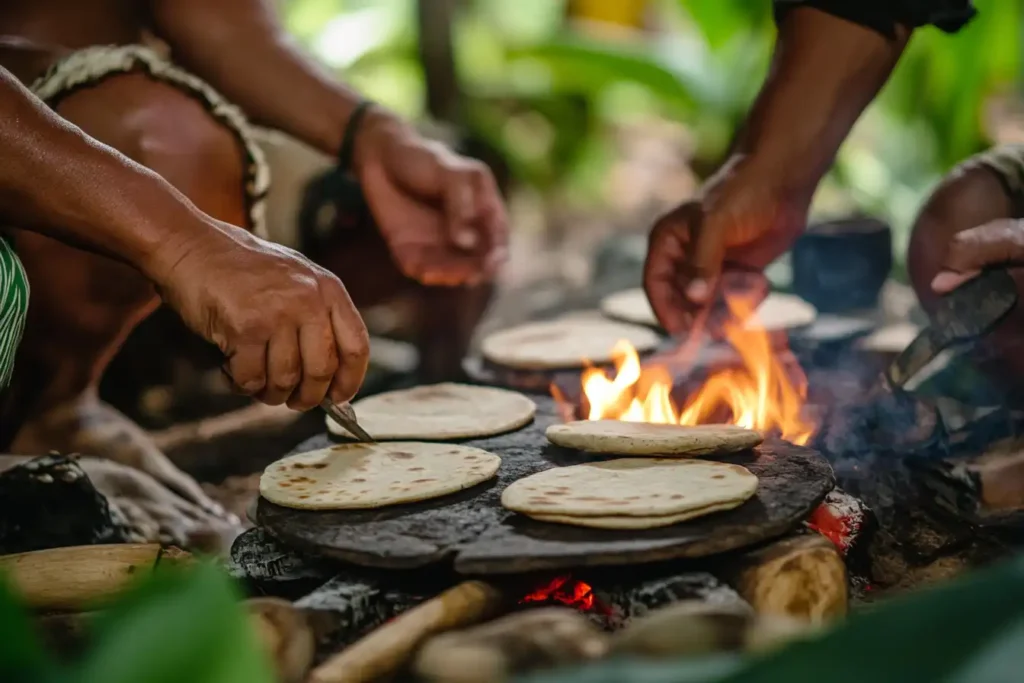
[581, 65]
[21, 655]
[178, 625]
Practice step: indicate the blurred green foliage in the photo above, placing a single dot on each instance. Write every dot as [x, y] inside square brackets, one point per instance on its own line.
[177, 624]
[546, 96]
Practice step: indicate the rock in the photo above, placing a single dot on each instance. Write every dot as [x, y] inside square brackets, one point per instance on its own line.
[49, 502]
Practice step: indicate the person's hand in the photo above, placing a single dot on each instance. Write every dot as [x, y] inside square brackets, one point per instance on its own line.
[741, 222]
[995, 243]
[287, 327]
[440, 214]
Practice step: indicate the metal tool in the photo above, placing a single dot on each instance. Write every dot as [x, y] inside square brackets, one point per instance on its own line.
[346, 417]
[961, 318]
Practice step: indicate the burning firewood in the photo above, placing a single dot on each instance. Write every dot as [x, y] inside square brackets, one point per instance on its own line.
[521, 642]
[75, 577]
[849, 524]
[801, 576]
[388, 648]
[287, 636]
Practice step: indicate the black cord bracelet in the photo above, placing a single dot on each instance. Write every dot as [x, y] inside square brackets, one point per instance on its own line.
[334, 201]
[348, 140]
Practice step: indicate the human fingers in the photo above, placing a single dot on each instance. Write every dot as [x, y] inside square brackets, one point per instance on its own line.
[998, 242]
[167, 482]
[352, 342]
[664, 280]
[284, 365]
[703, 261]
[493, 220]
[460, 205]
[246, 365]
[319, 363]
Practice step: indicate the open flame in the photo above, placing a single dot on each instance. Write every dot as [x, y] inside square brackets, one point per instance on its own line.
[564, 590]
[763, 394]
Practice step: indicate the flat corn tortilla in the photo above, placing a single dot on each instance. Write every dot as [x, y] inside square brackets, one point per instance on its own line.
[630, 487]
[644, 438]
[776, 312]
[440, 411]
[635, 522]
[362, 476]
[570, 343]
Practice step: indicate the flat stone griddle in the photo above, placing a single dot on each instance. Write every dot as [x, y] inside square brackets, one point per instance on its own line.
[473, 531]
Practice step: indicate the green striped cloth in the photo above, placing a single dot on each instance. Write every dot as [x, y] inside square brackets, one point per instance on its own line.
[13, 308]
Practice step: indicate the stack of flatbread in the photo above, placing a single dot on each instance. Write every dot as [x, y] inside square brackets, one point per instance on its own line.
[439, 412]
[630, 493]
[646, 439]
[568, 343]
[361, 476]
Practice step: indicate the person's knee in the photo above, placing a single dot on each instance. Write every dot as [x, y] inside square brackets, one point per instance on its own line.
[968, 197]
[170, 132]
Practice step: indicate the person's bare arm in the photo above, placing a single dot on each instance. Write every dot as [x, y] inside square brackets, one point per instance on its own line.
[825, 70]
[440, 213]
[56, 180]
[240, 48]
[287, 328]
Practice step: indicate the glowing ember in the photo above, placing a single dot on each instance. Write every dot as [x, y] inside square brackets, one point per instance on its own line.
[565, 590]
[835, 529]
[764, 394]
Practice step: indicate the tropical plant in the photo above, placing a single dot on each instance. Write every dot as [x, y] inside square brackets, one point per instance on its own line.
[545, 96]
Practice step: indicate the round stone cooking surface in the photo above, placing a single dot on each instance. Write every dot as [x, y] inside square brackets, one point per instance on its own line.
[473, 531]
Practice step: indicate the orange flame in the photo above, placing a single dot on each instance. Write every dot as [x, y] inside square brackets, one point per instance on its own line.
[763, 394]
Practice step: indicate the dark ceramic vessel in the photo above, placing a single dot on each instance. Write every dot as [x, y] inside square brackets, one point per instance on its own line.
[841, 266]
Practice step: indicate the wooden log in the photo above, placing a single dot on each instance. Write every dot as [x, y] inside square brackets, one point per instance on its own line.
[525, 641]
[694, 628]
[78, 577]
[801, 576]
[286, 634]
[388, 648]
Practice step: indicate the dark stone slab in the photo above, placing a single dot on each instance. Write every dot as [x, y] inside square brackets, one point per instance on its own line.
[479, 536]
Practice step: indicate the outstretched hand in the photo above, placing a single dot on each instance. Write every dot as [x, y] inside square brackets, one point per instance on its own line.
[740, 223]
[440, 213]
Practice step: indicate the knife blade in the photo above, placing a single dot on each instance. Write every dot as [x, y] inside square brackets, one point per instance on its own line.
[345, 416]
[961, 317]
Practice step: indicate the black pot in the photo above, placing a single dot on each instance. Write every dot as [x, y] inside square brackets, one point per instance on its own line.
[841, 266]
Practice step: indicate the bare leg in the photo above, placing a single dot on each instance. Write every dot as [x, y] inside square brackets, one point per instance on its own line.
[967, 198]
[84, 306]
